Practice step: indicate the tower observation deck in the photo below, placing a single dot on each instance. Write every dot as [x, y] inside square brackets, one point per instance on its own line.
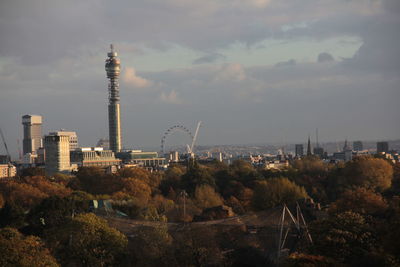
[114, 121]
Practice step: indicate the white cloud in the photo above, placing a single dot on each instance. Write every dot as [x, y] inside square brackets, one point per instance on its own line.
[231, 72]
[171, 98]
[131, 78]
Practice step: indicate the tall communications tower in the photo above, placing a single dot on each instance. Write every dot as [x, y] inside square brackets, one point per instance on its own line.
[114, 120]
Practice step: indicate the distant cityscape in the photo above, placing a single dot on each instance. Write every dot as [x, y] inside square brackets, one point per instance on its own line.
[59, 151]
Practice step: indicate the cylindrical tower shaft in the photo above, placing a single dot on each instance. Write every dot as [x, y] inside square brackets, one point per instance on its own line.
[114, 122]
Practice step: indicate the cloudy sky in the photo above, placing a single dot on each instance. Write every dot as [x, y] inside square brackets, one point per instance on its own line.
[252, 70]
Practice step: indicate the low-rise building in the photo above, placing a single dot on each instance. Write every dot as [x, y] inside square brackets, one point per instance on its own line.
[94, 157]
[148, 160]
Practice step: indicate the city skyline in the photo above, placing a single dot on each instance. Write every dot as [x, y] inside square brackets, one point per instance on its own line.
[251, 78]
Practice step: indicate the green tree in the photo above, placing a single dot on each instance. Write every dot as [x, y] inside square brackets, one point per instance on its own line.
[346, 237]
[150, 246]
[18, 250]
[195, 176]
[52, 212]
[94, 181]
[87, 240]
[33, 171]
[12, 215]
[276, 191]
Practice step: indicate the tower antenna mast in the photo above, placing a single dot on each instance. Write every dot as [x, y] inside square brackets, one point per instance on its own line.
[113, 69]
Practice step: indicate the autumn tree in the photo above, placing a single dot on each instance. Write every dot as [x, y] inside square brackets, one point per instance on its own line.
[22, 194]
[2, 201]
[368, 172]
[361, 200]
[138, 189]
[150, 246]
[87, 240]
[310, 165]
[243, 171]
[18, 250]
[206, 197]
[47, 187]
[276, 191]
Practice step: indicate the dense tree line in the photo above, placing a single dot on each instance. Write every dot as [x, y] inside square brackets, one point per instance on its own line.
[360, 200]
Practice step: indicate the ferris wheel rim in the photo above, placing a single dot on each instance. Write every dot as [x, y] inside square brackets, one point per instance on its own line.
[171, 130]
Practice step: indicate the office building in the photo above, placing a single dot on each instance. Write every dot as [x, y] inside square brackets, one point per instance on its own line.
[217, 156]
[382, 147]
[318, 151]
[57, 153]
[114, 121]
[73, 138]
[7, 170]
[358, 146]
[299, 150]
[174, 156]
[94, 157]
[32, 133]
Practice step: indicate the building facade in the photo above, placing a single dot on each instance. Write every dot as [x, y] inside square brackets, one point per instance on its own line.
[7, 171]
[73, 138]
[94, 157]
[148, 160]
[57, 157]
[299, 150]
[382, 147]
[358, 146]
[32, 133]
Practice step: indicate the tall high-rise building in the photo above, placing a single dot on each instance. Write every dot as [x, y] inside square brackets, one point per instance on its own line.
[382, 147]
[57, 153]
[114, 121]
[32, 133]
[299, 150]
[358, 146]
[73, 138]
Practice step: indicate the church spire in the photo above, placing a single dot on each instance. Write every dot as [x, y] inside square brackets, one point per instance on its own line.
[309, 146]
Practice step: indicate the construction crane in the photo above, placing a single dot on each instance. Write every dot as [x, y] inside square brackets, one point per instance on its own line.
[5, 145]
[190, 149]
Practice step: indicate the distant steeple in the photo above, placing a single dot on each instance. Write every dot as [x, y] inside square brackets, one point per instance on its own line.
[346, 146]
[309, 147]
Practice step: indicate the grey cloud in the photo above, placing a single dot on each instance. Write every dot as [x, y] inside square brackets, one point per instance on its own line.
[325, 57]
[290, 62]
[210, 58]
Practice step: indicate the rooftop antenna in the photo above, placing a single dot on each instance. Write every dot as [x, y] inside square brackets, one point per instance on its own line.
[317, 137]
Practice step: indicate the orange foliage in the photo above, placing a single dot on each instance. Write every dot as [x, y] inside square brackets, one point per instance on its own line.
[47, 187]
[137, 189]
[23, 194]
[361, 200]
